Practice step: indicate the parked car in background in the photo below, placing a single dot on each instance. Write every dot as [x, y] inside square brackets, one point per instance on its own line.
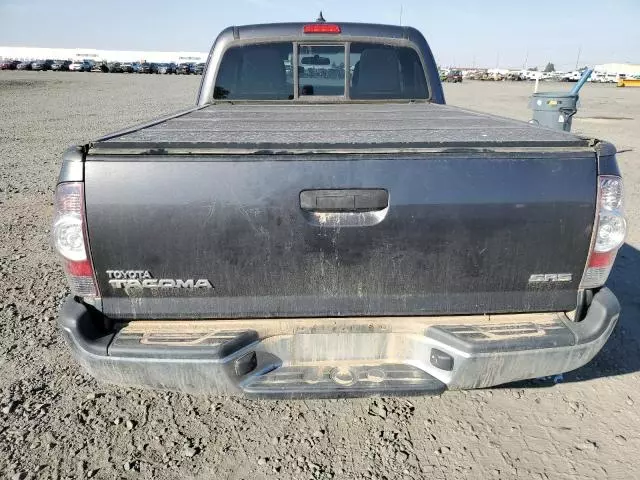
[41, 65]
[516, 76]
[599, 77]
[476, 75]
[60, 65]
[199, 69]
[166, 68]
[571, 77]
[532, 75]
[614, 77]
[114, 67]
[100, 67]
[144, 68]
[24, 66]
[454, 76]
[185, 69]
[126, 67]
[81, 66]
[9, 64]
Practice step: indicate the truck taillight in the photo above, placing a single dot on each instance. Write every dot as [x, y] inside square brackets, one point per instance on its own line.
[70, 239]
[609, 232]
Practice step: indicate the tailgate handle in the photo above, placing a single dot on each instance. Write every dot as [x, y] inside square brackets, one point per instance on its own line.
[349, 200]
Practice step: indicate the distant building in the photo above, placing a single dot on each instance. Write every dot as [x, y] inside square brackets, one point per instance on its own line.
[617, 68]
[32, 53]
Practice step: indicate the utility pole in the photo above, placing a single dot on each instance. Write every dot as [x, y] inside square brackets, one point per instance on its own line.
[400, 14]
[526, 60]
[578, 59]
[498, 59]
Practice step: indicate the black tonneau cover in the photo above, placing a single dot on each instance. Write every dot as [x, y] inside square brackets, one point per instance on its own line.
[259, 128]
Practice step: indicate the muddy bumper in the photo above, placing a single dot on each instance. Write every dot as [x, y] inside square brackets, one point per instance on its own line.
[336, 357]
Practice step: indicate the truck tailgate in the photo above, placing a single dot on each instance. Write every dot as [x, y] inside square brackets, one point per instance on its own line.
[291, 236]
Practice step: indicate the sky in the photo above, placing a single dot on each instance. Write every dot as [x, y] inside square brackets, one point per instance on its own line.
[465, 33]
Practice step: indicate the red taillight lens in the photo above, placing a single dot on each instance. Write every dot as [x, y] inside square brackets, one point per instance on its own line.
[597, 259]
[609, 231]
[70, 240]
[322, 28]
[79, 269]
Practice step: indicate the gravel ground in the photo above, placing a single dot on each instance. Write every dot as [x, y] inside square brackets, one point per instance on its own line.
[57, 422]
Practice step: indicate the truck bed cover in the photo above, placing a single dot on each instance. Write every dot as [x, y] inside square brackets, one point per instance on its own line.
[275, 128]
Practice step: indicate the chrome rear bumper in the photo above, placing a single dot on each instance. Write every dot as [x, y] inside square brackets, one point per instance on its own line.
[333, 357]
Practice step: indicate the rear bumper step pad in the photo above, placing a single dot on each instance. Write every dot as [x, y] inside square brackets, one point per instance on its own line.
[352, 381]
[337, 357]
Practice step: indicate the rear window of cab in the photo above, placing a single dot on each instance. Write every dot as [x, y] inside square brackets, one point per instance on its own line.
[370, 71]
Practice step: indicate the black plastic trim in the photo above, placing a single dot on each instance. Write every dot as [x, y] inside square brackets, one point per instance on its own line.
[607, 162]
[83, 325]
[508, 338]
[130, 345]
[72, 169]
[563, 333]
[603, 306]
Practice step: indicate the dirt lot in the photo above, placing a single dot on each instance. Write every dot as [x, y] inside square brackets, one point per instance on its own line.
[57, 422]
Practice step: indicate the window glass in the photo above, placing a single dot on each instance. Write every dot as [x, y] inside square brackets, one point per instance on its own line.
[385, 72]
[256, 72]
[321, 70]
[265, 72]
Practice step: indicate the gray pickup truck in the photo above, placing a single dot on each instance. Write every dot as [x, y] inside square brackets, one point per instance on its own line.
[321, 224]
